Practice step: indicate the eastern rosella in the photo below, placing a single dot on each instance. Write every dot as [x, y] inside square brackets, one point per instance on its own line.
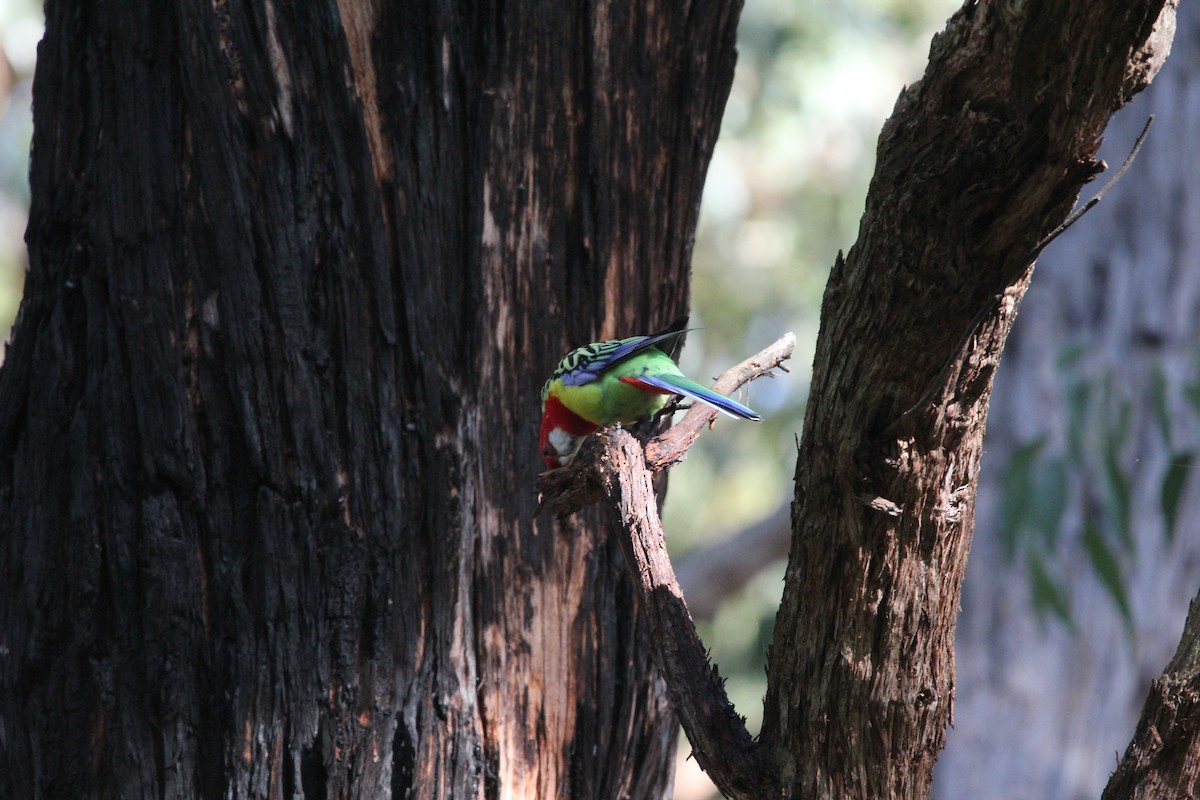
[621, 380]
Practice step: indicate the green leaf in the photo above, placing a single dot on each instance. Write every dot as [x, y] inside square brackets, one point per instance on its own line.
[1107, 569]
[1016, 488]
[1078, 400]
[1118, 503]
[1178, 469]
[1191, 393]
[1048, 595]
[1048, 498]
[1071, 354]
[1158, 403]
[1118, 495]
[1124, 422]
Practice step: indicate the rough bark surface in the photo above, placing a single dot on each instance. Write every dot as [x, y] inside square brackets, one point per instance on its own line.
[978, 166]
[1044, 707]
[720, 742]
[979, 162]
[268, 418]
[1163, 760]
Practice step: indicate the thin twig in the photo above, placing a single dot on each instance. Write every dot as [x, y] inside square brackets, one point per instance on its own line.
[1090, 204]
[671, 447]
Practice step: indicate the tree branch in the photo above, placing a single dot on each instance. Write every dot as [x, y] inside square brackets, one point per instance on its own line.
[672, 446]
[720, 742]
[980, 161]
[1162, 760]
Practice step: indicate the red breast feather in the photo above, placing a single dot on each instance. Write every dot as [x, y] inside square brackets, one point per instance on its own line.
[557, 416]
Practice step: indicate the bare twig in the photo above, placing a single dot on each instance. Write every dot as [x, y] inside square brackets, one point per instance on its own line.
[1090, 204]
[672, 446]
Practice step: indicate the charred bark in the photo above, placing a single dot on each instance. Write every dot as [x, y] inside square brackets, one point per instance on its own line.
[267, 422]
[268, 418]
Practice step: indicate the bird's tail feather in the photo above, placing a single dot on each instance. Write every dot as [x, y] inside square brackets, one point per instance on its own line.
[677, 384]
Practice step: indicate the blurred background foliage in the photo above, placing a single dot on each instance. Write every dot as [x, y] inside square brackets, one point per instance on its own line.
[815, 81]
[20, 32]
[1082, 465]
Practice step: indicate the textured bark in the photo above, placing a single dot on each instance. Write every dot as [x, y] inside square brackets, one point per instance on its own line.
[267, 423]
[1044, 709]
[268, 419]
[979, 162]
[1163, 760]
[978, 166]
[720, 742]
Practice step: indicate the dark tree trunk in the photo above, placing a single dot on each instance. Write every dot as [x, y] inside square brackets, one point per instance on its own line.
[268, 419]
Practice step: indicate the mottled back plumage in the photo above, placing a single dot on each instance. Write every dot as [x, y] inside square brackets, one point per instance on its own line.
[620, 380]
[584, 364]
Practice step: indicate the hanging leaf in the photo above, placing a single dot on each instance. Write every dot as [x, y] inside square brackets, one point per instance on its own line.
[1107, 569]
[1016, 489]
[1048, 499]
[1070, 355]
[1178, 469]
[1158, 403]
[1048, 595]
[1191, 393]
[1079, 400]
[1117, 498]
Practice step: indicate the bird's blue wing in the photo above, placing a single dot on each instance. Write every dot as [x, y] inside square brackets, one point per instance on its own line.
[584, 364]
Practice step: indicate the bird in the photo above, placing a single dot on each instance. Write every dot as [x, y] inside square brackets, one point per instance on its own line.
[619, 380]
